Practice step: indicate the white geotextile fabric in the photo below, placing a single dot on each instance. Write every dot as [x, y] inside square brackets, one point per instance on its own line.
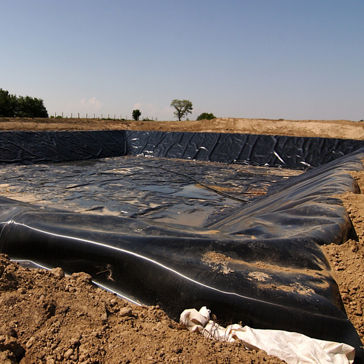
[292, 347]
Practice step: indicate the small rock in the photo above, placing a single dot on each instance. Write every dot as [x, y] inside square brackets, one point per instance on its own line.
[104, 316]
[68, 353]
[126, 311]
[82, 277]
[57, 272]
[30, 342]
[59, 356]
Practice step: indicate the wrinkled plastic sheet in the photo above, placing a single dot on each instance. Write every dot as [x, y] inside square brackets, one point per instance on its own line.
[240, 239]
[59, 146]
[269, 150]
[165, 190]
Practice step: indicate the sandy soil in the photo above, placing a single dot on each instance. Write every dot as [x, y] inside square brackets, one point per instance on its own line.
[347, 260]
[49, 318]
[314, 128]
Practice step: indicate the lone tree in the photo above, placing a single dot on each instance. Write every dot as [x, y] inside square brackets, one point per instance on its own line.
[183, 108]
[206, 116]
[136, 114]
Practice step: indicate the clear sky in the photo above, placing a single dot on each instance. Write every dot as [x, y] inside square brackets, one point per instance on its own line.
[292, 59]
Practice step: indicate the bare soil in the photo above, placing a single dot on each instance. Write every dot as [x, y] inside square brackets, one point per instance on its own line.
[47, 317]
[344, 129]
[347, 260]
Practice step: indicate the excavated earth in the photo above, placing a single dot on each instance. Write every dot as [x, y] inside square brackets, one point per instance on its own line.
[47, 317]
[344, 129]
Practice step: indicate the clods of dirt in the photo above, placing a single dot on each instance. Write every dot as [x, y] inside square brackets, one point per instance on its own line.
[347, 260]
[47, 317]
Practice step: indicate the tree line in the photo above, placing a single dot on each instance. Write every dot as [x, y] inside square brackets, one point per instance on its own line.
[32, 107]
[21, 106]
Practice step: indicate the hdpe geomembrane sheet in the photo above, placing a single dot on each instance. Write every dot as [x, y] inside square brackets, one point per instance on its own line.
[242, 240]
[268, 150]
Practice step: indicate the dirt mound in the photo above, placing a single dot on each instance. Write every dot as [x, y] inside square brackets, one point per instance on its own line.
[48, 317]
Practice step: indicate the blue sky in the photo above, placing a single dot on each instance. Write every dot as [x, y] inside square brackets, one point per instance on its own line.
[293, 59]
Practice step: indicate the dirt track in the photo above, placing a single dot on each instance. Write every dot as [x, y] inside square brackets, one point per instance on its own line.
[49, 318]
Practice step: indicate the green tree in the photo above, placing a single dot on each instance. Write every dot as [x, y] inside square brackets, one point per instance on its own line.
[183, 108]
[11, 105]
[136, 114]
[206, 116]
[7, 103]
[30, 107]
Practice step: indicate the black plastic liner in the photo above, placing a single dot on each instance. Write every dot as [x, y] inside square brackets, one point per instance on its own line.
[258, 262]
[59, 146]
[270, 150]
[175, 191]
[286, 151]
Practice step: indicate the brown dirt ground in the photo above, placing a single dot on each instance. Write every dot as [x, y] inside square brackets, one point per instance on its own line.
[347, 260]
[47, 317]
[315, 128]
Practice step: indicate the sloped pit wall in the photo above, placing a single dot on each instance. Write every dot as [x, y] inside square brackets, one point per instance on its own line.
[270, 150]
[60, 146]
[261, 265]
[285, 151]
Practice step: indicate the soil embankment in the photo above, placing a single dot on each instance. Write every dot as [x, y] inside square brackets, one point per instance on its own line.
[305, 128]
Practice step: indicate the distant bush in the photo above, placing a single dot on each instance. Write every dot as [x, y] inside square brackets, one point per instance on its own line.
[206, 116]
[136, 114]
[20, 106]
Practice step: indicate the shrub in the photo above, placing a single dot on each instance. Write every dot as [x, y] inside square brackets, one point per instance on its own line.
[136, 114]
[206, 116]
